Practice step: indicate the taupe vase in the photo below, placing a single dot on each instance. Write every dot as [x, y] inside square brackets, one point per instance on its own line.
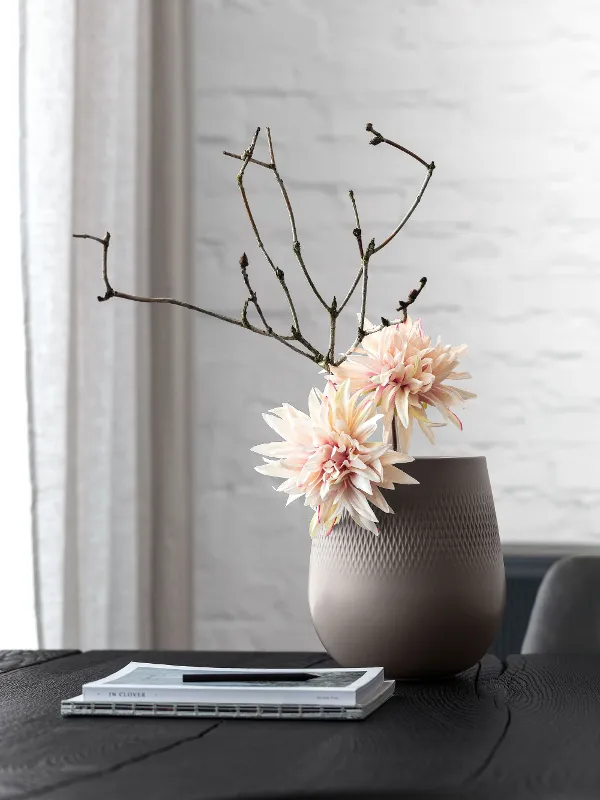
[425, 597]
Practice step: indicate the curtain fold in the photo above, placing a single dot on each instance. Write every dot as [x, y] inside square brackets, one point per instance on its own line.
[106, 145]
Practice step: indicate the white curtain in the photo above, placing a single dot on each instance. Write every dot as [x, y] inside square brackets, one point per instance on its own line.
[106, 145]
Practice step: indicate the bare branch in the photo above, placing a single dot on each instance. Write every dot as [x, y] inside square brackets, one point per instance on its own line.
[356, 343]
[394, 434]
[357, 231]
[241, 323]
[251, 160]
[351, 290]
[333, 315]
[319, 358]
[358, 234]
[361, 333]
[412, 296]
[278, 272]
[295, 243]
[252, 298]
[403, 306]
[379, 139]
[363, 305]
[105, 243]
[409, 213]
[334, 310]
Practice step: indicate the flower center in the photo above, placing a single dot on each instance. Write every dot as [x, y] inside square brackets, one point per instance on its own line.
[338, 459]
[411, 373]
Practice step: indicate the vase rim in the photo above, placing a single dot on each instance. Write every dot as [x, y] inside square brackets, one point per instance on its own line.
[449, 458]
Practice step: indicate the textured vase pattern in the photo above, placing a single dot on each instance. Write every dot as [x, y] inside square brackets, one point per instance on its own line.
[426, 596]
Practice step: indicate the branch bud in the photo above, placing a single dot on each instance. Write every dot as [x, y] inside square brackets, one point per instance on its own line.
[296, 247]
[244, 261]
[369, 126]
[357, 232]
[385, 322]
[245, 313]
[109, 293]
[279, 273]
[376, 139]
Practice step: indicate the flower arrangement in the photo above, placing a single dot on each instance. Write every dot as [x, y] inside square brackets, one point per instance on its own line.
[391, 374]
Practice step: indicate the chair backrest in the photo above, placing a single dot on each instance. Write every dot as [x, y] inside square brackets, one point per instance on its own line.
[566, 614]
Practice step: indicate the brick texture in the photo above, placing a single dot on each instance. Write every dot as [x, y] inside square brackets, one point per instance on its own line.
[502, 97]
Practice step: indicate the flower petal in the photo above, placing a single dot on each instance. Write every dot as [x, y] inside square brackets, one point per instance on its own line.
[402, 406]
[275, 449]
[396, 475]
[276, 470]
[361, 482]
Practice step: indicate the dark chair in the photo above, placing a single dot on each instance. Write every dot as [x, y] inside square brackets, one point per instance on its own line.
[566, 613]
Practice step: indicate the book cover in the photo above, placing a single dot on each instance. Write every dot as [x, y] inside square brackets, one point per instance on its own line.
[158, 683]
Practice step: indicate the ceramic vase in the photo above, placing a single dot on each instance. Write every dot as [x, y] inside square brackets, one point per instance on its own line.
[425, 597]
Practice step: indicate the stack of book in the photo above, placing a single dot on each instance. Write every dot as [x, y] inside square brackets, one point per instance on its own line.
[164, 690]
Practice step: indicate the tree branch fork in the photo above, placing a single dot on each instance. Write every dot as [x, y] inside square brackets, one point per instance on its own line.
[294, 339]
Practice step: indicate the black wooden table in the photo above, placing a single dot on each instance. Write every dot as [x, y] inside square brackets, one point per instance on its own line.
[528, 727]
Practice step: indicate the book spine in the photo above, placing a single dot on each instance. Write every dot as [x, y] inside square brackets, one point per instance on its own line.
[86, 708]
[125, 694]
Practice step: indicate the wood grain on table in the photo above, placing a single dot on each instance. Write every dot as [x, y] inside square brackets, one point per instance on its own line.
[527, 727]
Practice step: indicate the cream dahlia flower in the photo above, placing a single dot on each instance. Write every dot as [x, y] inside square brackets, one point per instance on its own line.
[403, 373]
[326, 456]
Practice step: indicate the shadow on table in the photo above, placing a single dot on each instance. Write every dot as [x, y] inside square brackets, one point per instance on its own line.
[454, 794]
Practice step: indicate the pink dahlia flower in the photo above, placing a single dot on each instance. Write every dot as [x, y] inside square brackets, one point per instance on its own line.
[327, 457]
[403, 373]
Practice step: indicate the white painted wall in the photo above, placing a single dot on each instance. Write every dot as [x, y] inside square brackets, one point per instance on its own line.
[504, 98]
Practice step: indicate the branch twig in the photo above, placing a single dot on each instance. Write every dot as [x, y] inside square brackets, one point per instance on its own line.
[409, 213]
[412, 296]
[279, 274]
[379, 139]
[105, 243]
[247, 157]
[252, 296]
[403, 306]
[358, 234]
[357, 231]
[241, 323]
[334, 310]
[333, 315]
[295, 243]
[250, 160]
[361, 333]
[363, 304]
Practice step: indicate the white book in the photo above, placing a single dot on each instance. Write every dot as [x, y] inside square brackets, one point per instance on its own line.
[78, 706]
[164, 683]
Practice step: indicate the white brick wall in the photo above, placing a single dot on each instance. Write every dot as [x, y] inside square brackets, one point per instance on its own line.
[504, 98]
